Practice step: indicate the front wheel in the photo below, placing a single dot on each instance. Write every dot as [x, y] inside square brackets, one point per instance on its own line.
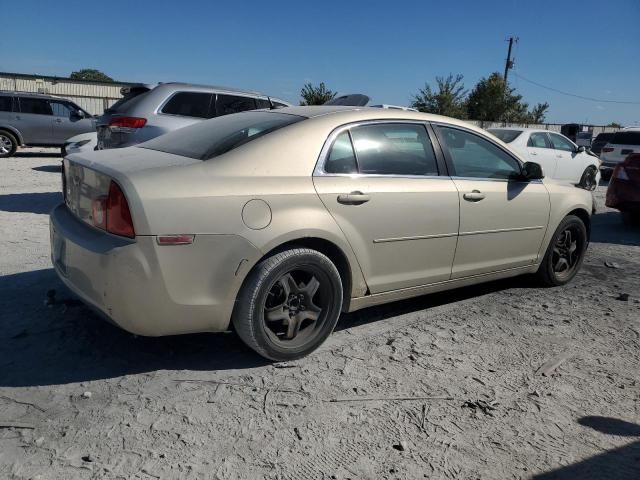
[289, 304]
[565, 253]
[8, 144]
[588, 179]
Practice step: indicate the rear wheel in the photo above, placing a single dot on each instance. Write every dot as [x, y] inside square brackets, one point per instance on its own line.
[8, 144]
[289, 304]
[588, 179]
[565, 253]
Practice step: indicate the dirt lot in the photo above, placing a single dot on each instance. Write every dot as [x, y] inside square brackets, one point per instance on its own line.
[92, 401]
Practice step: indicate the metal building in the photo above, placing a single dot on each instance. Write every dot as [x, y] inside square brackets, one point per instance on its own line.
[92, 96]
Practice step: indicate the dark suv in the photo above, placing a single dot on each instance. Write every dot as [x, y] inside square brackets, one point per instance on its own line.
[30, 119]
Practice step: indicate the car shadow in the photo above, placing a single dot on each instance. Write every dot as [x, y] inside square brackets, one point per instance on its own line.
[49, 168]
[618, 464]
[38, 154]
[607, 227]
[41, 203]
[66, 342]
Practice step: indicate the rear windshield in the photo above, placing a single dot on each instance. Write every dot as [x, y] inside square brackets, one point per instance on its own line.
[126, 101]
[604, 137]
[626, 138]
[210, 138]
[507, 136]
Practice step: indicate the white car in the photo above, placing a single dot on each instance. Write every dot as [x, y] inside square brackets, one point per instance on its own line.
[560, 158]
[622, 144]
[85, 142]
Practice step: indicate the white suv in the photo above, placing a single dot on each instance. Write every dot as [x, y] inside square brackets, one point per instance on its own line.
[623, 143]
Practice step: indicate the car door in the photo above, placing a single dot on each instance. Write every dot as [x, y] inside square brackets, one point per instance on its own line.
[381, 182]
[34, 120]
[66, 123]
[569, 165]
[541, 151]
[502, 218]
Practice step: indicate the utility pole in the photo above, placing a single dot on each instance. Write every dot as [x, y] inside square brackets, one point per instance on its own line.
[509, 63]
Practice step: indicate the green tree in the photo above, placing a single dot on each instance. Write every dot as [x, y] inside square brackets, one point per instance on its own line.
[90, 74]
[538, 113]
[449, 99]
[312, 95]
[614, 125]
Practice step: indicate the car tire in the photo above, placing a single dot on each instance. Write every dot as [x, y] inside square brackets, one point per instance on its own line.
[8, 144]
[588, 179]
[281, 313]
[565, 253]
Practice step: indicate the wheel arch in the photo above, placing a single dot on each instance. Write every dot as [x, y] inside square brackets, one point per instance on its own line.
[583, 215]
[13, 132]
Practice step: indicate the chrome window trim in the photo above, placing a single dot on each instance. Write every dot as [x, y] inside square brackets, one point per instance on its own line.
[319, 171]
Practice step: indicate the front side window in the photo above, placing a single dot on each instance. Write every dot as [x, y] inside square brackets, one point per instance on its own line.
[214, 137]
[475, 157]
[189, 104]
[538, 140]
[341, 158]
[6, 104]
[227, 104]
[561, 143]
[60, 109]
[37, 106]
[394, 149]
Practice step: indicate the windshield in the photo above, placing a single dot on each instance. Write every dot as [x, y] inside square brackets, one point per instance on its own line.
[507, 136]
[626, 138]
[210, 138]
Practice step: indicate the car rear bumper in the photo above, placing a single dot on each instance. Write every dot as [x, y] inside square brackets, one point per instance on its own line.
[146, 288]
[623, 195]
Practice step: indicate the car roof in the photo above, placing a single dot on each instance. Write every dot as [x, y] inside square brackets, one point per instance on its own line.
[214, 88]
[523, 129]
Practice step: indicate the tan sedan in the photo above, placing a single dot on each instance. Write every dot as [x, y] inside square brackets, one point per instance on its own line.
[279, 220]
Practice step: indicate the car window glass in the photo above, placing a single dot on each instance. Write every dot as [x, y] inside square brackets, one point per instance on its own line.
[394, 149]
[626, 138]
[561, 143]
[37, 106]
[189, 104]
[538, 140]
[233, 104]
[341, 158]
[60, 109]
[507, 136]
[5, 104]
[262, 103]
[476, 157]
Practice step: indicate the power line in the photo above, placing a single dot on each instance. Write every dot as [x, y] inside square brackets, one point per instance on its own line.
[622, 102]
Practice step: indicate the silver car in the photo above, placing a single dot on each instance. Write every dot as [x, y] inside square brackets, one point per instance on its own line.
[34, 120]
[279, 220]
[146, 112]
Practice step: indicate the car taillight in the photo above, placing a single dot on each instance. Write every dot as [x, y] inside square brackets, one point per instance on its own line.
[99, 212]
[128, 122]
[118, 215]
[619, 173]
[607, 149]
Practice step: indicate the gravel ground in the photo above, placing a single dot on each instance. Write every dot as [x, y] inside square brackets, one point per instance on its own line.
[444, 386]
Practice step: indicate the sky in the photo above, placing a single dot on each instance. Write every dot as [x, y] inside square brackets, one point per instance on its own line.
[387, 50]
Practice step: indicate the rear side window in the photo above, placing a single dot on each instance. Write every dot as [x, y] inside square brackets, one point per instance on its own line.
[539, 140]
[561, 143]
[262, 103]
[211, 138]
[394, 149]
[341, 158]
[36, 106]
[227, 104]
[475, 157]
[626, 138]
[189, 104]
[507, 136]
[6, 104]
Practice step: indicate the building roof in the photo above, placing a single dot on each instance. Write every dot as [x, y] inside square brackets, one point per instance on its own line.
[65, 79]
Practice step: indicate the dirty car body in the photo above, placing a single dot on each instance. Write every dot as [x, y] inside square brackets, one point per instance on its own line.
[278, 220]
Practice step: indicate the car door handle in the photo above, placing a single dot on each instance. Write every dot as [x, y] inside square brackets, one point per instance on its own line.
[58, 120]
[353, 198]
[534, 154]
[474, 196]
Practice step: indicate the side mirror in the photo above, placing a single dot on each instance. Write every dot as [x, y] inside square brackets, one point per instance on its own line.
[532, 171]
[77, 114]
[581, 149]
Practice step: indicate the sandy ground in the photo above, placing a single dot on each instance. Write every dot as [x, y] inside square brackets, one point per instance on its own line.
[92, 401]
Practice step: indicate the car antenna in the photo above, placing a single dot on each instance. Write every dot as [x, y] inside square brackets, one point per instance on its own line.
[271, 104]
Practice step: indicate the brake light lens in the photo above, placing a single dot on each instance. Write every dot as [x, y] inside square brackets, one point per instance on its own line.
[118, 219]
[128, 122]
[608, 149]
